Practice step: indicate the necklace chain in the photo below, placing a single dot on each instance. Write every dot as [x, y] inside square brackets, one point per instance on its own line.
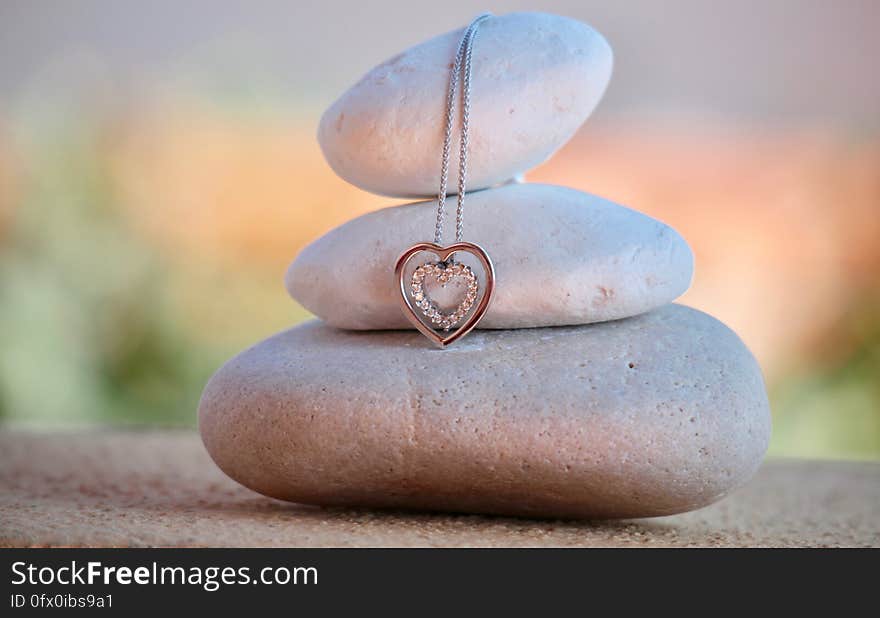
[461, 66]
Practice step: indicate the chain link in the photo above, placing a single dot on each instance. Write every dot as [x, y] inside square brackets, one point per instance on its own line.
[461, 66]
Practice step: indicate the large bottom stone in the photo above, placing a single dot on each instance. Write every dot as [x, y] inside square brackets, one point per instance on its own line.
[652, 415]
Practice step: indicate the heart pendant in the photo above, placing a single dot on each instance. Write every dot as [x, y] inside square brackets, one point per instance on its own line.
[440, 326]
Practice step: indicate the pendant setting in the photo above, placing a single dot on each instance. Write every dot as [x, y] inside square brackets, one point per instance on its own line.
[444, 327]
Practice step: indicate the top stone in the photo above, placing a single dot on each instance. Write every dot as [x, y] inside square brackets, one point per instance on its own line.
[536, 78]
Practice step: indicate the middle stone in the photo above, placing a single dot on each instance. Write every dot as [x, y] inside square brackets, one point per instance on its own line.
[561, 257]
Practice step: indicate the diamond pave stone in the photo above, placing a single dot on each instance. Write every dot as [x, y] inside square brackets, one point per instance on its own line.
[443, 273]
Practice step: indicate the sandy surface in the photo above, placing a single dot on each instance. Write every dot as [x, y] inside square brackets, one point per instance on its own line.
[161, 489]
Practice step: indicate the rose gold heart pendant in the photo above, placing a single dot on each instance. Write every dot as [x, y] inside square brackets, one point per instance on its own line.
[444, 327]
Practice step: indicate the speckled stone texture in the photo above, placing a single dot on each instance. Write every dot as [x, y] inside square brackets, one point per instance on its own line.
[161, 489]
[657, 414]
[536, 79]
[561, 257]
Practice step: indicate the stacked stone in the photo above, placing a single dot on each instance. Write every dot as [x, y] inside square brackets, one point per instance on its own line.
[584, 392]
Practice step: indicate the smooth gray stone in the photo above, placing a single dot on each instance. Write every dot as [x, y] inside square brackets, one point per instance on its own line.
[536, 79]
[561, 257]
[657, 414]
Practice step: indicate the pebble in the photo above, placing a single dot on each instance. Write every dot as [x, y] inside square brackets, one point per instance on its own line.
[561, 257]
[653, 415]
[536, 79]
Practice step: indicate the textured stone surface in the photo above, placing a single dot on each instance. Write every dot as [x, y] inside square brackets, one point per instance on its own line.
[536, 78]
[161, 489]
[561, 257]
[657, 414]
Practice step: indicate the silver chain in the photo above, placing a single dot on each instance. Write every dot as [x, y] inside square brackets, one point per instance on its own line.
[462, 66]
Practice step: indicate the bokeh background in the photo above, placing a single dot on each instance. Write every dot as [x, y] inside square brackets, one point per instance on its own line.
[158, 171]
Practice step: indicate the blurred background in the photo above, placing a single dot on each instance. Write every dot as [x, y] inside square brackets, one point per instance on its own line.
[159, 170]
